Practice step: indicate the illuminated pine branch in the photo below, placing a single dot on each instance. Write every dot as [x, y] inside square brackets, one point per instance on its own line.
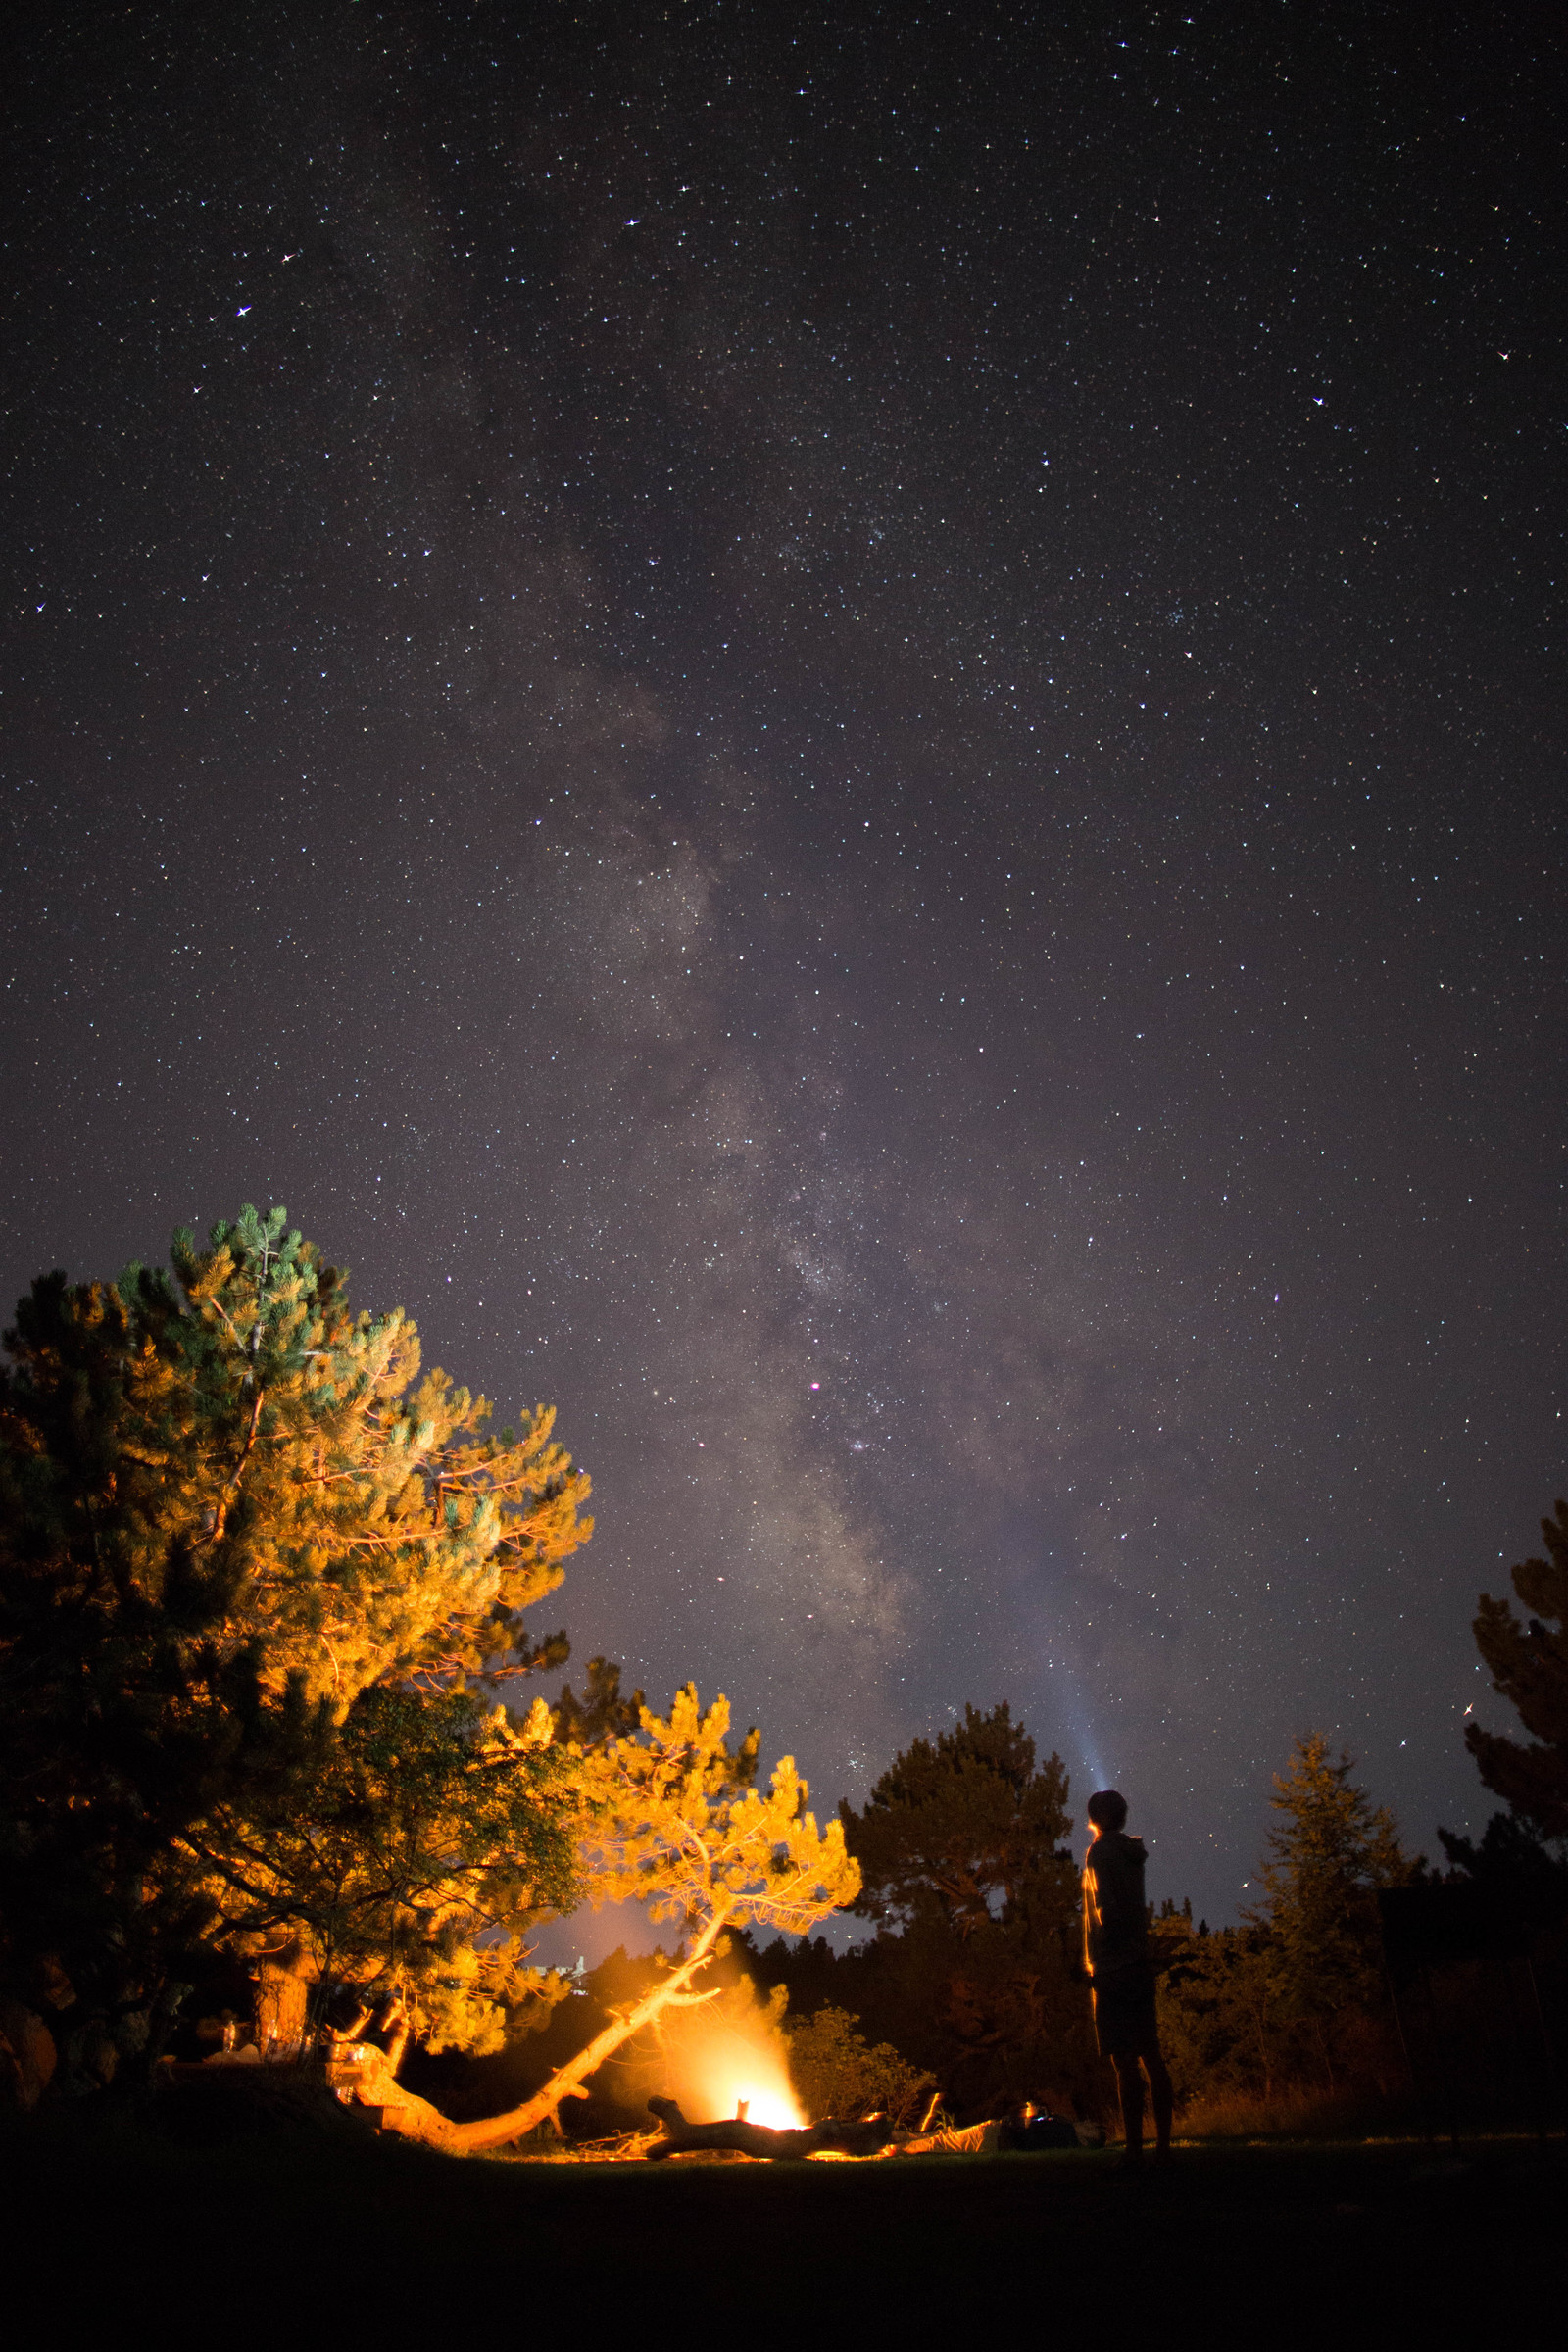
[672, 1817]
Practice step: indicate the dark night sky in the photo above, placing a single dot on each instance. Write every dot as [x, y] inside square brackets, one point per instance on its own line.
[839, 729]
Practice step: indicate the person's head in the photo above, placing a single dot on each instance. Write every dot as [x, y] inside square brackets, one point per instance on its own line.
[1107, 1810]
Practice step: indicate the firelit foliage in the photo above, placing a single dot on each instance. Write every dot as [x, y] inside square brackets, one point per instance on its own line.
[374, 1529]
[670, 1816]
[837, 2072]
[236, 1528]
[1529, 1666]
[673, 1817]
[435, 1836]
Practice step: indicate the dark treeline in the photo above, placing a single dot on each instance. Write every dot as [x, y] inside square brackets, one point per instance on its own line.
[972, 1971]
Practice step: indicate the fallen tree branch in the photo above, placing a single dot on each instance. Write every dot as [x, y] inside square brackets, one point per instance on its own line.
[369, 2082]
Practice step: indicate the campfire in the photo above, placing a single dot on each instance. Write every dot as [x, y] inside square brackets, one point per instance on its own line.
[730, 2074]
[863, 2136]
[739, 2136]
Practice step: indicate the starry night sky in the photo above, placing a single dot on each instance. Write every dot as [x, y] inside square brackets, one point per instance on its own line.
[840, 730]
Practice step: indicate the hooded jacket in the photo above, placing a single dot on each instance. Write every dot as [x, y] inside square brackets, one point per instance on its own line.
[1116, 1916]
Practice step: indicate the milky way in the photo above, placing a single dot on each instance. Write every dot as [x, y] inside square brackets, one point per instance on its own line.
[840, 732]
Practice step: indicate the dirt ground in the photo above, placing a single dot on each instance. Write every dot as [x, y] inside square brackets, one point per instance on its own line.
[302, 2235]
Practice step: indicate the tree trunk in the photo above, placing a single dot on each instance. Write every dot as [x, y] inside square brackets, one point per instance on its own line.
[27, 2056]
[410, 2117]
[282, 2006]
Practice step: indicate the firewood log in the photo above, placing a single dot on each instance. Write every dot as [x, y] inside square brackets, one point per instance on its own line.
[760, 2139]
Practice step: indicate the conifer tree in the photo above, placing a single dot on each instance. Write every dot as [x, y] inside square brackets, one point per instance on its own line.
[1292, 1997]
[223, 1519]
[959, 1847]
[960, 1824]
[1529, 1666]
[1330, 1851]
[376, 1530]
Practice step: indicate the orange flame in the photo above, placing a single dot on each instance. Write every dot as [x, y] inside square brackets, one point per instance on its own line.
[723, 2069]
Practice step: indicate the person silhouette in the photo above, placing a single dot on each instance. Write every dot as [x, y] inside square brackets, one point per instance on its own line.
[1117, 1962]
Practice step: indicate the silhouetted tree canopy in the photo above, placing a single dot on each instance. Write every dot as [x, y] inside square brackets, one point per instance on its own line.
[1291, 2000]
[837, 2072]
[1528, 1667]
[964, 1824]
[1327, 1853]
[602, 1713]
[974, 1899]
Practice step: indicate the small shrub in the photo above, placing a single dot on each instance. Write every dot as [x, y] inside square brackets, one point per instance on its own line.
[837, 2072]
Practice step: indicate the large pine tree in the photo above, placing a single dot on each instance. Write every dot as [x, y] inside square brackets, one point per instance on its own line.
[1327, 1854]
[228, 1509]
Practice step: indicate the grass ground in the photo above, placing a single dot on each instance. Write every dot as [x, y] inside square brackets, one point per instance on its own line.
[304, 2237]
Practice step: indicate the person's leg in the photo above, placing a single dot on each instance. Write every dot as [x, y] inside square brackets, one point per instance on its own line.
[1162, 2100]
[1130, 2083]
